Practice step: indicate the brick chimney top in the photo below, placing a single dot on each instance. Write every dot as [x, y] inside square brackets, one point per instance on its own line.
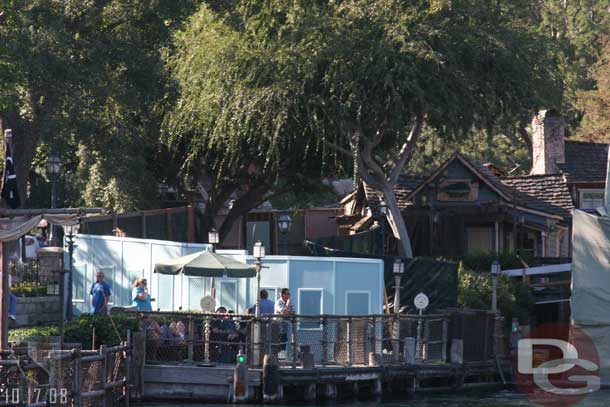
[548, 142]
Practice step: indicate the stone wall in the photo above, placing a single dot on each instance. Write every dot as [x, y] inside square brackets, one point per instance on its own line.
[32, 311]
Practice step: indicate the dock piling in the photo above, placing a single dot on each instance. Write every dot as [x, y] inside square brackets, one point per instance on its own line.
[272, 390]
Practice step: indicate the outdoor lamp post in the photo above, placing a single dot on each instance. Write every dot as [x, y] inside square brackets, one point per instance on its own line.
[398, 271]
[495, 271]
[53, 169]
[213, 237]
[70, 232]
[259, 253]
[284, 223]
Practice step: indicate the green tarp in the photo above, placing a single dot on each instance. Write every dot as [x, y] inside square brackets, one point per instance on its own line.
[205, 264]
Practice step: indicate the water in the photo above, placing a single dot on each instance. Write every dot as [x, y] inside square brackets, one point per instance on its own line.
[502, 398]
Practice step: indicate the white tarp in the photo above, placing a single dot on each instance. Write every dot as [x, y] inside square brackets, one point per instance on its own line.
[590, 300]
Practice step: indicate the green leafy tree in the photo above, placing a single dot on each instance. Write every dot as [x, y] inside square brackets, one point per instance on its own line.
[360, 77]
[85, 79]
[596, 102]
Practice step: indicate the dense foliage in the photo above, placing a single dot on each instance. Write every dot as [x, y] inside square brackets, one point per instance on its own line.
[81, 331]
[241, 99]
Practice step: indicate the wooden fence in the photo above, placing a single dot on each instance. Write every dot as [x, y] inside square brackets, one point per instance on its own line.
[42, 375]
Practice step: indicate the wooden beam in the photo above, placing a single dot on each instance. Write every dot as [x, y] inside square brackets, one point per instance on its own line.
[58, 211]
[4, 292]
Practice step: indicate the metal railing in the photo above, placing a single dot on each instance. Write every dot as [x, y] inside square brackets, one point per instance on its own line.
[333, 340]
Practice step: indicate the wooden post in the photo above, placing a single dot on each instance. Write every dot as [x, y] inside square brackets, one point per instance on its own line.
[293, 341]
[170, 231]
[190, 224]
[206, 336]
[4, 292]
[76, 378]
[240, 382]
[349, 341]
[444, 339]
[191, 338]
[324, 340]
[143, 215]
[128, 353]
[272, 388]
[106, 369]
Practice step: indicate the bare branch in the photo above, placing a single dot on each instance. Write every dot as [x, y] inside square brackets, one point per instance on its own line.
[407, 149]
[338, 148]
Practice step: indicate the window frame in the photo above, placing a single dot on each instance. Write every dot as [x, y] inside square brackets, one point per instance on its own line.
[367, 292]
[220, 284]
[206, 284]
[583, 191]
[299, 291]
[84, 283]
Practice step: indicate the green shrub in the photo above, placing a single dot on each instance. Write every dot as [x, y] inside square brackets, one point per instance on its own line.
[29, 289]
[515, 299]
[81, 330]
[38, 333]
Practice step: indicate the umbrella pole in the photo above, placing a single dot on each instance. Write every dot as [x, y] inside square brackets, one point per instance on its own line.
[213, 289]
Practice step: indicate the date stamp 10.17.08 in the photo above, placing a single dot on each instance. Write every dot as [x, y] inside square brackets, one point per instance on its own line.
[18, 396]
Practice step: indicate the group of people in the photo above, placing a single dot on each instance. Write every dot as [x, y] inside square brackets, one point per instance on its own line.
[283, 305]
[100, 295]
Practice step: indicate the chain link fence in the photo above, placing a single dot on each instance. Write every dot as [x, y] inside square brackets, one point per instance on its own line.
[333, 340]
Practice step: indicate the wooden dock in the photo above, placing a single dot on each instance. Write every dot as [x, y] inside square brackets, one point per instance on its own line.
[214, 383]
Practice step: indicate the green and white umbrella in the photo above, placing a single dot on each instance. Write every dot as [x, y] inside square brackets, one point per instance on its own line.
[205, 264]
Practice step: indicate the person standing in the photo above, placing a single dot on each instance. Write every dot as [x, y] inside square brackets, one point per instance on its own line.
[100, 295]
[267, 306]
[283, 306]
[140, 298]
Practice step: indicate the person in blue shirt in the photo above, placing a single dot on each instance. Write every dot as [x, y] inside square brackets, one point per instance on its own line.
[100, 295]
[12, 308]
[267, 306]
[139, 295]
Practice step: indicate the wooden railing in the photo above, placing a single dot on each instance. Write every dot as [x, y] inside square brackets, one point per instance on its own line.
[42, 376]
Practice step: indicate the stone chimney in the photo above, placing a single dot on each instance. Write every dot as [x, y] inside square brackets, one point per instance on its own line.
[548, 142]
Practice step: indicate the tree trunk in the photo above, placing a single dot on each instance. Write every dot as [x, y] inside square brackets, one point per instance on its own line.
[397, 222]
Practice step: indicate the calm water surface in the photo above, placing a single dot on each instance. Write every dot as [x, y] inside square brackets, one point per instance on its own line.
[502, 398]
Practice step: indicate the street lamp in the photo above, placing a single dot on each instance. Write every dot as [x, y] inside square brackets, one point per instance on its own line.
[398, 270]
[258, 251]
[53, 169]
[495, 271]
[213, 237]
[70, 232]
[284, 222]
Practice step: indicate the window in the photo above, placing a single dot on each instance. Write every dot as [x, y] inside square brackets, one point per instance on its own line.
[591, 198]
[272, 291]
[196, 292]
[165, 292]
[228, 295]
[480, 239]
[310, 303]
[357, 302]
[79, 282]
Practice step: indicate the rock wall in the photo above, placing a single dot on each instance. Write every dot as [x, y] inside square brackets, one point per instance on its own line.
[32, 311]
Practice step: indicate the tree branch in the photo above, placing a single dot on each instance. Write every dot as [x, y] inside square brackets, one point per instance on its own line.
[376, 182]
[407, 149]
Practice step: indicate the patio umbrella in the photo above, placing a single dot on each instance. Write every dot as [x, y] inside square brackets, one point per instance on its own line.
[205, 264]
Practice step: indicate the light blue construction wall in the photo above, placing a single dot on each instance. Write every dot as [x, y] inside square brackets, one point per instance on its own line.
[335, 281]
